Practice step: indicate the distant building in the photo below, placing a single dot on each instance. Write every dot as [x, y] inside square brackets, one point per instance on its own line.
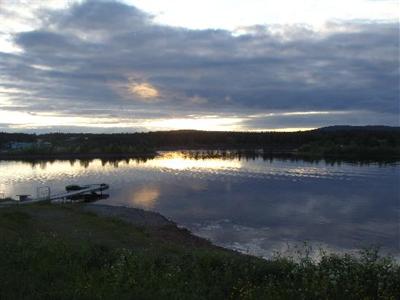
[20, 145]
[27, 145]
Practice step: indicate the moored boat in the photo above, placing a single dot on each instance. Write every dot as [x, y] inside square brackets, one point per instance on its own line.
[75, 187]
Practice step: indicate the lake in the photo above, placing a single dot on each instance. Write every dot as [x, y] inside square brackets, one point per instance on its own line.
[254, 205]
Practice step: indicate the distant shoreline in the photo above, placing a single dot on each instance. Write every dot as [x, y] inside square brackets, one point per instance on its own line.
[66, 156]
[242, 152]
[368, 143]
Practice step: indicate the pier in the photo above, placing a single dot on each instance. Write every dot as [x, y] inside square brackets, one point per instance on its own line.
[69, 195]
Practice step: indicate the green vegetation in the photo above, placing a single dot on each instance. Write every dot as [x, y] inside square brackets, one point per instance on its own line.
[354, 145]
[376, 142]
[80, 147]
[62, 252]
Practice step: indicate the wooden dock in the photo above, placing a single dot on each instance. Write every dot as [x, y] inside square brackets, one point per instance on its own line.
[60, 197]
[89, 189]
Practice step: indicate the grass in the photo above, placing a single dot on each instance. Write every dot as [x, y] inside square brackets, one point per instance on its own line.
[49, 252]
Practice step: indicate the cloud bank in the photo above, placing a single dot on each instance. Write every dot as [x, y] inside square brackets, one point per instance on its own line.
[105, 65]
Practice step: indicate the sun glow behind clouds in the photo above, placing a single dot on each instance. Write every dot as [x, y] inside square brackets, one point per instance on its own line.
[144, 90]
[199, 123]
[22, 120]
[25, 120]
[290, 129]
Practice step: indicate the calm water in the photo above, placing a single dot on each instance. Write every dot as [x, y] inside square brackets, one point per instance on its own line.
[256, 206]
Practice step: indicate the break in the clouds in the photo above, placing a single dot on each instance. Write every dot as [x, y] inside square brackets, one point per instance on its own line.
[110, 66]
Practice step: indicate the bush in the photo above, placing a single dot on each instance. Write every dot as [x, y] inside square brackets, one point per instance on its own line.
[48, 267]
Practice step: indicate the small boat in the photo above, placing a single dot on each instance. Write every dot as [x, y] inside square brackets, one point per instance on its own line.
[75, 187]
[86, 193]
[88, 197]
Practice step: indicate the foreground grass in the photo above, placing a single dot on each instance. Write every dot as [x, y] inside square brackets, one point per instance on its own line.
[49, 252]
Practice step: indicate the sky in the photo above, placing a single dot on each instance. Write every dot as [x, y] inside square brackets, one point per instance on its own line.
[248, 65]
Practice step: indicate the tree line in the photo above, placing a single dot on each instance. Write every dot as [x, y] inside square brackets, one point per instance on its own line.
[341, 140]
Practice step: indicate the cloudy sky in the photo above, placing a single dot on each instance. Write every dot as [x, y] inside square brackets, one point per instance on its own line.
[139, 65]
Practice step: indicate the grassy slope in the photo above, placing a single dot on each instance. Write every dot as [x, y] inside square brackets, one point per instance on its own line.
[55, 252]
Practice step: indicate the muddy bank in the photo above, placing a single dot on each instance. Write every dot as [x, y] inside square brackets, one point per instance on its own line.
[154, 222]
[134, 216]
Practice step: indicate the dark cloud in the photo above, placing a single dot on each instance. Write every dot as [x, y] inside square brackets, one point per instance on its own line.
[100, 16]
[88, 57]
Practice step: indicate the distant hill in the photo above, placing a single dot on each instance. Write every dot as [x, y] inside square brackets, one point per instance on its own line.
[358, 128]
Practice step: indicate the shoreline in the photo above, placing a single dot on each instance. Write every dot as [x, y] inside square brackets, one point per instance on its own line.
[236, 152]
[133, 216]
[69, 156]
[154, 222]
[151, 220]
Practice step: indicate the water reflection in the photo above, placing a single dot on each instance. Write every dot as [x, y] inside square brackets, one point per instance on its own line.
[180, 161]
[249, 202]
[145, 197]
